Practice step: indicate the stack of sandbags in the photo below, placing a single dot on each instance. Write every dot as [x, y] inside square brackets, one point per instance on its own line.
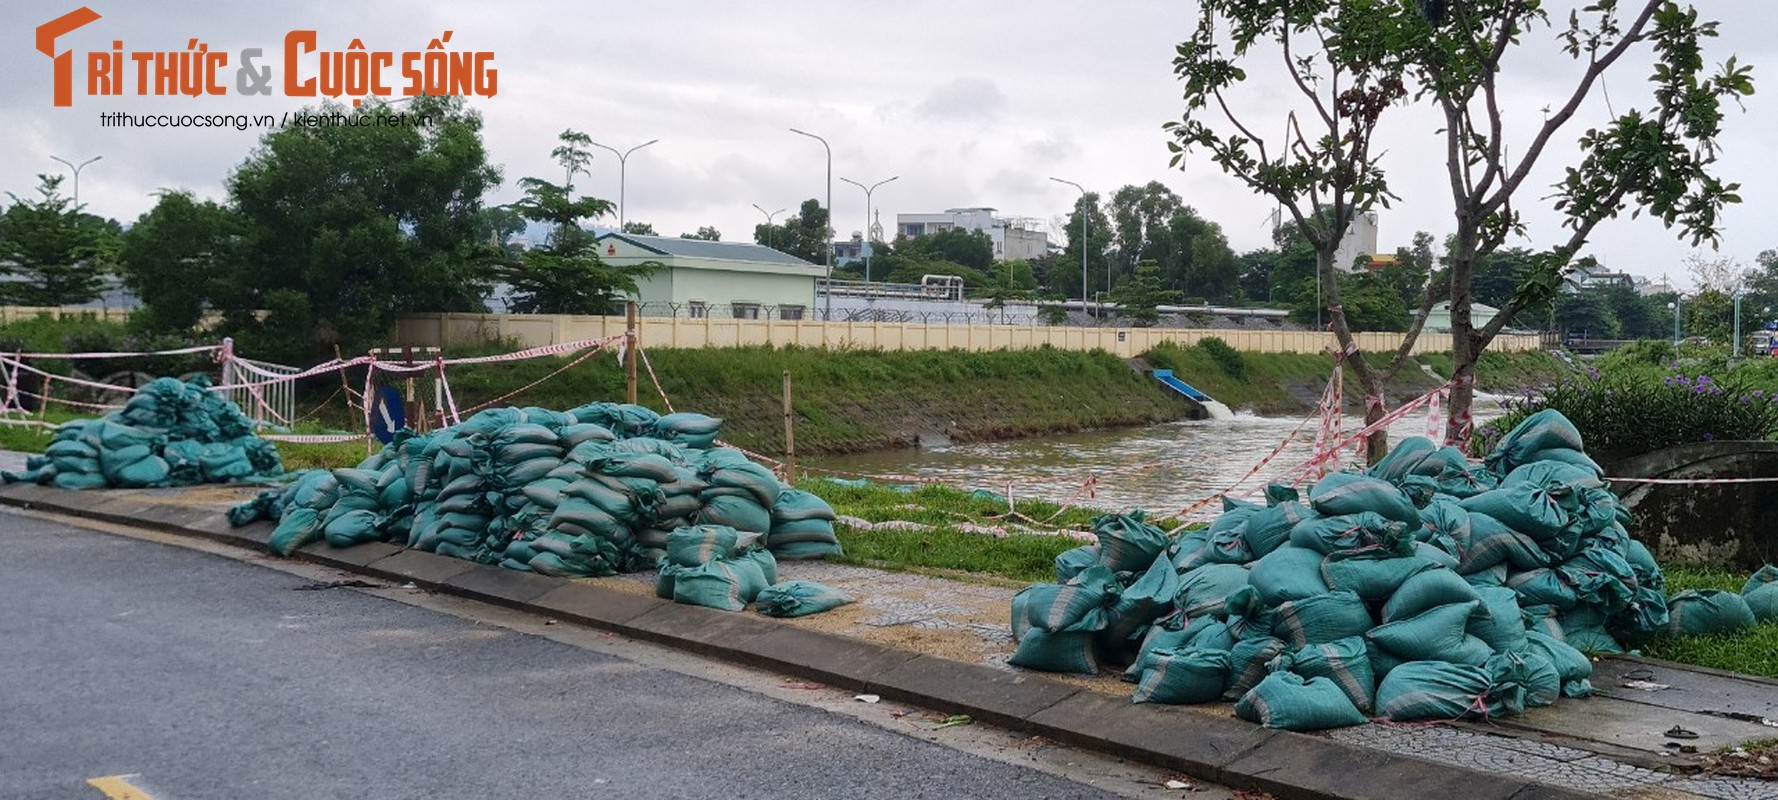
[168, 434]
[687, 429]
[1427, 588]
[584, 493]
[715, 566]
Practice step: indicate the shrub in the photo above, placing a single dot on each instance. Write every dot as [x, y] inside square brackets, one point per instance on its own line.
[1627, 414]
[1226, 357]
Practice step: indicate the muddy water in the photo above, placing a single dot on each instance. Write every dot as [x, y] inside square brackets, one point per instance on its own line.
[1160, 467]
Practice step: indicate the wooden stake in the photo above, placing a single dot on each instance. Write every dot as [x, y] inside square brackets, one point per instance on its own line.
[789, 434]
[631, 342]
[43, 402]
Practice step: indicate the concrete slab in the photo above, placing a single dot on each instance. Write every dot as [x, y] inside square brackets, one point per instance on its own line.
[587, 604]
[1193, 742]
[1292, 765]
[424, 569]
[1690, 688]
[993, 695]
[1635, 726]
[698, 629]
[823, 657]
[508, 587]
[346, 558]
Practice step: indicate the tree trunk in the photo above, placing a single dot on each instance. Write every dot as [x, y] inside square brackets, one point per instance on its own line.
[1459, 423]
[1375, 404]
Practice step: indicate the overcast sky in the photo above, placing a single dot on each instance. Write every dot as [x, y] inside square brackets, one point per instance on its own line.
[971, 104]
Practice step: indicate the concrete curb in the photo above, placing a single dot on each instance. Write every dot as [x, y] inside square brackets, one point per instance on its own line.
[1288, 765]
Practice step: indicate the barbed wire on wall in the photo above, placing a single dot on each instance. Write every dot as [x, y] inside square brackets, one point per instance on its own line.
[986, 316]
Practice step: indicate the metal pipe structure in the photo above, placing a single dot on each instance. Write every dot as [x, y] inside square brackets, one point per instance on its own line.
[827, 236]
[867, 243]
[77, 169]
[1083, 241]
[623, 169]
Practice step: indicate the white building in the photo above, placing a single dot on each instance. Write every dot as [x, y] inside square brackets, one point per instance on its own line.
[1014, 240]
[1360, 241]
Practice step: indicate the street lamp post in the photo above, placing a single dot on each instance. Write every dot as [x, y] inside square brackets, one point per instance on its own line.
[1083, 241]
[826, 238]
[623, 165]
[76, 168]
[1735, 347]
[867, 243]
[769, 215]
[1676, 309]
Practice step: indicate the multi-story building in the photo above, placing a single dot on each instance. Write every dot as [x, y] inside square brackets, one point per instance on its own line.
[1014, 239]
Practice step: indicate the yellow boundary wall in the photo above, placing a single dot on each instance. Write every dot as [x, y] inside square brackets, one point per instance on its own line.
[449, 330]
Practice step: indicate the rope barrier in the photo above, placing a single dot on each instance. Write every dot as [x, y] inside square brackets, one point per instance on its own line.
[149, 354]
[534, 384]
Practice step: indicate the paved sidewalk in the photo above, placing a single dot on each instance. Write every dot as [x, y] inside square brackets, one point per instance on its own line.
[943, 643]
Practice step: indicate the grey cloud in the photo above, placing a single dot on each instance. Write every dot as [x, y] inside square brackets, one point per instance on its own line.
[962, 99]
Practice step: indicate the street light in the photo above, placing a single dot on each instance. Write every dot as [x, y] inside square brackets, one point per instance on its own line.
[1083, 241]
[826, 239]
[623, 163]
[1675, 307]
[769, 215]
[1735, 348]
[867, 243]
[76, 168]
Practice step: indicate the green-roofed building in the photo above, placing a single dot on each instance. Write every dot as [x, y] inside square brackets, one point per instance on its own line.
[716, 279]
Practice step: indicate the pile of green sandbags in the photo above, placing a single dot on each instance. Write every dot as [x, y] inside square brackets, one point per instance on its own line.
[584, 493]
[1425, 588]
[169, 433]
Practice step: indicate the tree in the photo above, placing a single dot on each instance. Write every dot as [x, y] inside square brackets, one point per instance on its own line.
[639, 229]
[181, 259]
[1709, 313]
[54, 254]
[1656, 157]
[1140, 292]
[1372, 304]
[1637, 317]
[706, 233]
[1344, 60]
[1140, 216]
[1200, 261]
[363, 221]
[1587, 311]
[804, 235]
[1066, 277]
[970, 248]
[566, 276]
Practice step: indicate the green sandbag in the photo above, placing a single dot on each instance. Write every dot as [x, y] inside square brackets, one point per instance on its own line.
[736, 512]
[754, 478]
[801, 551]
[1761, 593]
[701, 544]
[1269, 528]
[1145, 600]
[351, 528]
[799, 598]
[1066, 651]
[1647, 570]
[1070, 563]
[1425, 591]
[641, 465]
[1287, 573]
[1543, 587]
[1249, 662]
[1445, 516]
[1372, 574]
[1332, 534]
[1205, 588]
[763, 558]
[1435, 635]
[1591, 640]
[726, 584]
[796, 504]
[1177, 677]
[145, 472]
[1644, 618]
[1571, 665]
[572, 435]
[1492, 543]
[582, 517]
[1288, 701]
[1187, 552]
[1326, 618]
[1228, 547]
[1382, 661]
[1127, 542]
[1544, 430]
[1349, 493]
[298, 527]
[1707, 611]
[1082, 604]
[1346, 662]
[1427, 691]
[1498, 620]
[1403, 459]
[560, 566]
[1523, 680]
[1167, 633]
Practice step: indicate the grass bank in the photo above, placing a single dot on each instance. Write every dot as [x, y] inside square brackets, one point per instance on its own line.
[1749, 651]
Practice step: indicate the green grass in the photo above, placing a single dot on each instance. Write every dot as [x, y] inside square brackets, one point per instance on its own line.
[1750, 651]
[1024, 557]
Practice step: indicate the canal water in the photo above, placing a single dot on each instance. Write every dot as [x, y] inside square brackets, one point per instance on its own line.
[1162, 468]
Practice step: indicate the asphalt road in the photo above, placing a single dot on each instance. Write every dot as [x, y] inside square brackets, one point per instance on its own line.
[205, 677]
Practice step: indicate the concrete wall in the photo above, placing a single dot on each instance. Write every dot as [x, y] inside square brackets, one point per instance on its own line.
[449, 330]
[1716, 524]
[11, 313]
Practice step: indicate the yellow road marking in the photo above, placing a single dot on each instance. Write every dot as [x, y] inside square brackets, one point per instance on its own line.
[116, 788]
